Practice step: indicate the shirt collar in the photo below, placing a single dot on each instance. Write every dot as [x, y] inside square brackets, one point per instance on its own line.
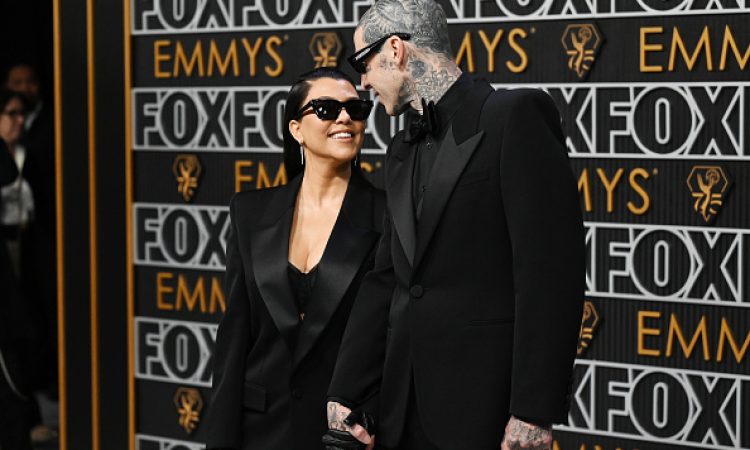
[449, 103]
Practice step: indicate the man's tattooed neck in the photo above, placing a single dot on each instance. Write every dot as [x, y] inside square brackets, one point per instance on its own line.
[430, 79]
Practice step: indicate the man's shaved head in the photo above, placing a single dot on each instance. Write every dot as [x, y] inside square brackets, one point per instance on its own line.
[423, 19]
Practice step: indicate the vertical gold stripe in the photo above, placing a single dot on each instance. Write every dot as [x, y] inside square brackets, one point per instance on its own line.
[129, 227]
[93, 263]
[63, 393]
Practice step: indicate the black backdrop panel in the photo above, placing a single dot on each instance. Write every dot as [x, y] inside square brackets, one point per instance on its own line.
[654, 100]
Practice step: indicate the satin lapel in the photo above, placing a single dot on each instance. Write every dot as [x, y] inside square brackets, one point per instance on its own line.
[400, 199]
[450, 163]
[270, 250]
[350, 242]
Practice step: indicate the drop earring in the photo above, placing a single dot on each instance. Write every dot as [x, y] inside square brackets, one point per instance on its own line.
[301, 156]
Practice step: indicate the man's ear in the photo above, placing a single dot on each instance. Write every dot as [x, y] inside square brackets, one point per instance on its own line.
[295, 131]
[397, 49]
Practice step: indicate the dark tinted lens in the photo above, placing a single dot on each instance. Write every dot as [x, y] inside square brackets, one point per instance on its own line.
[358, 109]
[327, 109]
[359, 59]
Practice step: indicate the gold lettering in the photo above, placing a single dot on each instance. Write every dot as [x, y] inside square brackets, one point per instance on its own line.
[725, 334]
[730, 42]
[161, 289]
[180, 60]
[198, 295]
[585, 186]
[703, 43]
[640, 190]
[643, 332]
[252, 53]
[214, 58]
[240, 176]
[263, 179]
[160, 57]
[524, 63]
[491, 46]
[271, 44]
[217, 296]
[700, 332]
[465, 49]
[647, 47]
[610, 186]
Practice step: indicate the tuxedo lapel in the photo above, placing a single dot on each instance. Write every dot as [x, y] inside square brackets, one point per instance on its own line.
[351, 240]
[400, 200]
[270, 250]
[449, 164]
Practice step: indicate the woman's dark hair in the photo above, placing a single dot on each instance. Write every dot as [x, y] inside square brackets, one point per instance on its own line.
[6, 95]
[297, 94]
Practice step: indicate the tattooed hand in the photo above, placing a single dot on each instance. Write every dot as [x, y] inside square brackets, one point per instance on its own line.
[337, 414]
[522, 435]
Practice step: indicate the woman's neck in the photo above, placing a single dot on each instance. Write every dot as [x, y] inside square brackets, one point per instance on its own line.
[324, 183]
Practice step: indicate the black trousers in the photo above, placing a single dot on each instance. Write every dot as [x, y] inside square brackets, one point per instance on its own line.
[15, 411]
[413, 436]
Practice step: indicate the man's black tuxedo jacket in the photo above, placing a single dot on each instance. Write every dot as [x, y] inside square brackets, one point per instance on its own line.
[271, 375]
[480, 300]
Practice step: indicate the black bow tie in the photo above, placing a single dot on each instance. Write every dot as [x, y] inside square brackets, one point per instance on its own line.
[425, 124]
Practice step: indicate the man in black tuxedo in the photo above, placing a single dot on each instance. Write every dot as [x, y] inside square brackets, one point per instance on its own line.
[465, 332]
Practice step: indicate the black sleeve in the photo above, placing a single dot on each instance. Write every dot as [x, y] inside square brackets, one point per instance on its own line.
[547, 237]
[8, 169]
[359, 368]
[232, 343]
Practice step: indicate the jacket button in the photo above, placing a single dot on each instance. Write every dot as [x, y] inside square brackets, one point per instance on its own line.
[297, 393]
[416, 291]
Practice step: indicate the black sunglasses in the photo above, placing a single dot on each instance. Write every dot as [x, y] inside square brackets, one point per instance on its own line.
[329, 109]
[359, 59]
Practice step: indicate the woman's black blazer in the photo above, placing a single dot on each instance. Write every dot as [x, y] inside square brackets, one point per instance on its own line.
[271, 372]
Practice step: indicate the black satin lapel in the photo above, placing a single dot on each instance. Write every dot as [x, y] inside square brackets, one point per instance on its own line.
[400, 200]
[449, 164]
[270, 250]
[347, 248]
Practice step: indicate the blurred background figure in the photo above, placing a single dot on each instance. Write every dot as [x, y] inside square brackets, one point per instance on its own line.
[27, 221]
[16, 323]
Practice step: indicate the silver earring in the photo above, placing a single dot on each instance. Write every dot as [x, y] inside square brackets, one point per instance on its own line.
[301, 156]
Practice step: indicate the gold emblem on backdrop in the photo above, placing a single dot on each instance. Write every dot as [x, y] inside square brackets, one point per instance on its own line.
[189, 404]
[709, 186]
[581, 43]
[325, 49]
[589, 323]
[187, 171]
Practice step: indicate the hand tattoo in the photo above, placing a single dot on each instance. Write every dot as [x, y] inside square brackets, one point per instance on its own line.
[520, 435]
[336, 415]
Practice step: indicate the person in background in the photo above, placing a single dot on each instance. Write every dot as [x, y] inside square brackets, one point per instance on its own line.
[296, 255]
[16, 324]
[39, 172]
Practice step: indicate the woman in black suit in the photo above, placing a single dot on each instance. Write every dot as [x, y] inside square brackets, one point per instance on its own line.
[295, 258]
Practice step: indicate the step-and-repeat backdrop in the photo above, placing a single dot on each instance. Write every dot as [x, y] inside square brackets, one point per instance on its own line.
[654, 97]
